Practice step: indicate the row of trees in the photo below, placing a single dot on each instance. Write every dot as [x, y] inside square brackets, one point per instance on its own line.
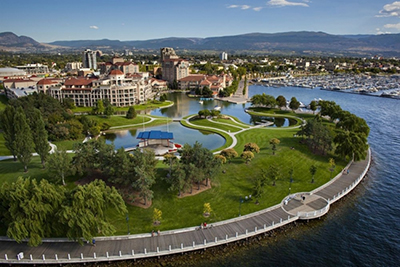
[351, 131]
[22, 136]
[204, 113]
[135, 169]
[269, 101]
[34, 210]
[59, 121]
[349, 137]
[205, 91]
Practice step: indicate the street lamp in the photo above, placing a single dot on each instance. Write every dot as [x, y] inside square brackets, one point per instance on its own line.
[127, 223]
[240, 205]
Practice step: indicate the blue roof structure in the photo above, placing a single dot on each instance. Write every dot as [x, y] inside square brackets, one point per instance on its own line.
[155, 135]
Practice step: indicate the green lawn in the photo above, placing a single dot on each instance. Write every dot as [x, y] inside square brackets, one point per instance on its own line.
[235, 123]
[228, 187]
[149, 105]
[66, 144]
[228, 139]
[236, 182]
[206, 123]
[3, 150]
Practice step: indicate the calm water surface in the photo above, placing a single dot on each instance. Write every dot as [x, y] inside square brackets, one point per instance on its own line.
[182, 135]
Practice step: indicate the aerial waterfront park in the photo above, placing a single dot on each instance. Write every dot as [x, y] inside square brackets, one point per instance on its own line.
[232, 190]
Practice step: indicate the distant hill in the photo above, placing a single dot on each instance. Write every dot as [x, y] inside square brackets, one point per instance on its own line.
[11, 40]
[304, 42]
[287, 42]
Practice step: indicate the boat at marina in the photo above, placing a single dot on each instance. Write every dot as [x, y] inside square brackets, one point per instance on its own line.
[217, 107]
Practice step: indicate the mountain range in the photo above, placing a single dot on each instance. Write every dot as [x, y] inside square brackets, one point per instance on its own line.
[304, 42]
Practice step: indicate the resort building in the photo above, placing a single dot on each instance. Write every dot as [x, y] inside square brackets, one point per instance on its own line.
[173, 67]
[73, 66]
[198, 81]
[120, 89]
[34, 68]
[126, 67]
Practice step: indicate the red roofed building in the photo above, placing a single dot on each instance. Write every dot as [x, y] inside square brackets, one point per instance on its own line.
[214, 82]
[173, 67]
[15, 83]
[44, 84]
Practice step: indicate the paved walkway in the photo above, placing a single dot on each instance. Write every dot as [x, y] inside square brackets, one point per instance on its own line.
[292, 208]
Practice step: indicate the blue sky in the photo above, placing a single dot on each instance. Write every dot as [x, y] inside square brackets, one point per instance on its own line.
[47, 21]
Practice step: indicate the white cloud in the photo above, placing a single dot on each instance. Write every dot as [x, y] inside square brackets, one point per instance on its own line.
[243, 7]
[287, 3]
[257, 8]
[392, 26]
[390, 10]
[94, 27]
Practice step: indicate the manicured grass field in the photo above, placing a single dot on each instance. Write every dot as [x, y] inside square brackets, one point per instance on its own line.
[150, 105]
[224, 127]
[233, 182]
[234, 123]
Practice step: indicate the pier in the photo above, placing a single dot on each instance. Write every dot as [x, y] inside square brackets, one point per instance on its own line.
[298, 206]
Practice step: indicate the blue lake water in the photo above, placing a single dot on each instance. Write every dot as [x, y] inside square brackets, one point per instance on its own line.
[182, 135]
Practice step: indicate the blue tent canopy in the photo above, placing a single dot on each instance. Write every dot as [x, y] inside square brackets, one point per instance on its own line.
[155, 135]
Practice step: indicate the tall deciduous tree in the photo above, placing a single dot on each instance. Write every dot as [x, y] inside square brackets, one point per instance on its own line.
[59, 164]
[281, 101]
[7, 125]
[144, 172]
[351, 144]
[29, 209]
[85, 158]
[84, 210]
[23, 139]
[131, 114]
[39, 135]
[177, 179]
[294, 104]
[313, 106]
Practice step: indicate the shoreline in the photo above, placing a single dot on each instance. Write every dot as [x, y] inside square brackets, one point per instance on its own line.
[53, 251]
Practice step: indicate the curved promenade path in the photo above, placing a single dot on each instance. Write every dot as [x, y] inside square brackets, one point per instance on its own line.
[305, 205]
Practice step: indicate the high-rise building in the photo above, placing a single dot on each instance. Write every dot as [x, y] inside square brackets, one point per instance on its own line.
[223, 56]
[89, 59]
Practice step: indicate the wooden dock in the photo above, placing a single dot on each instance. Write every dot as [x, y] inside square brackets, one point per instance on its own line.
[293, 207]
